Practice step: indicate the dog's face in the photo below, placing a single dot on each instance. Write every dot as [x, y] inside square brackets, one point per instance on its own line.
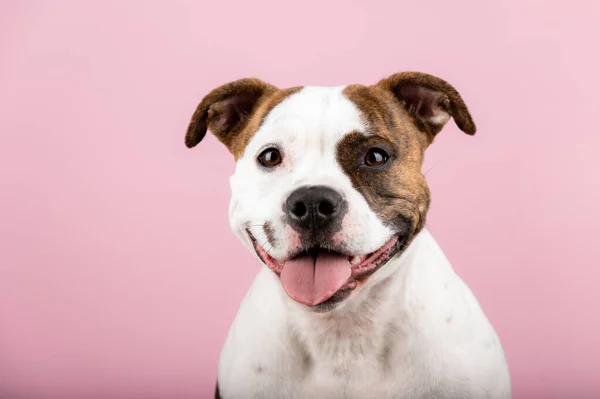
[328, 185]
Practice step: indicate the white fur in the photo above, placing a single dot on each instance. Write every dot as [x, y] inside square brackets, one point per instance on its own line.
[414, 330]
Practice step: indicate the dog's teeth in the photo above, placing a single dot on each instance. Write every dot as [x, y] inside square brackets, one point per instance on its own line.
[355, 260]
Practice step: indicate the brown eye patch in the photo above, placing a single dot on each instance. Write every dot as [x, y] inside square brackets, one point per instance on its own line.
[354, 152]
[395, 189]
[368, 152]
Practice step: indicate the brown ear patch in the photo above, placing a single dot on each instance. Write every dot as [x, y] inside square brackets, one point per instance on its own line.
[225, 110]
[430, 100]
[233, 112]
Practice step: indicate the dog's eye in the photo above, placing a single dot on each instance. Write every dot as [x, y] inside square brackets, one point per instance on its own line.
[376, 157]
[270, 157]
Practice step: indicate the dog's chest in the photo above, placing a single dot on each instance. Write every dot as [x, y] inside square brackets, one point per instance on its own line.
[345, 371]
[356, 357]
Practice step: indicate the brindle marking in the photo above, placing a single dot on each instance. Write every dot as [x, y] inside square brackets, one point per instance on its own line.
[402, 114]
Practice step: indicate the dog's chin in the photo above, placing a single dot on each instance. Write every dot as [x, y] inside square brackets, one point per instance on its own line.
[360, 268]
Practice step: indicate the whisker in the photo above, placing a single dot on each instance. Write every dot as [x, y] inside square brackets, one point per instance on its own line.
[270, 248]
[434, 165]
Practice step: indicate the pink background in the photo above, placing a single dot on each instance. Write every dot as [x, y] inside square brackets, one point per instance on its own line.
[118, 274]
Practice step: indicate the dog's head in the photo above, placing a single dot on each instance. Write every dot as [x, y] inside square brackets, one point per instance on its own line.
[328, 185]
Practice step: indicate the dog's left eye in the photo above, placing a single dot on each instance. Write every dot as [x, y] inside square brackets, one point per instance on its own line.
[270, 157]
[376, 157]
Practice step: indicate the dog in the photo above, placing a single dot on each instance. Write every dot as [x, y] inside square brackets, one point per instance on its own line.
[354, 298]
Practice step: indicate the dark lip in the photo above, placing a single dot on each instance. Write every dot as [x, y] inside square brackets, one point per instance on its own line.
[314, 251]
[353, 282]
[398, 247]
[299, 251]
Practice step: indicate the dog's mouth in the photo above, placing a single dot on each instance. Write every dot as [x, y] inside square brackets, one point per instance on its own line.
[315, 276]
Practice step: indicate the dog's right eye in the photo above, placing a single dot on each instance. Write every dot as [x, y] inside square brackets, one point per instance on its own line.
[270, 158]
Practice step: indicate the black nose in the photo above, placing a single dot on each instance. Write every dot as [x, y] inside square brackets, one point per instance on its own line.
[314, 207]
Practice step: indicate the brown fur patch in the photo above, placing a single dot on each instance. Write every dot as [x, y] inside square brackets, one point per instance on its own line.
[403, 113]
[234, 112]
[397, 191]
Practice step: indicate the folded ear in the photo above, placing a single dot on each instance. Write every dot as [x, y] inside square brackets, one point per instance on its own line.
[226, 110]
[430, 100]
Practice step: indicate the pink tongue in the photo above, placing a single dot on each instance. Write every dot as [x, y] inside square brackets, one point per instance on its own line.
[311, 281]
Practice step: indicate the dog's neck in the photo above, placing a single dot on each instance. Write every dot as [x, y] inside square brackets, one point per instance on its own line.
[364, 324]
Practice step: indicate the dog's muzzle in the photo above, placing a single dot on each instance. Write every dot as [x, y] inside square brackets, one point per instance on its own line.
[320, 271]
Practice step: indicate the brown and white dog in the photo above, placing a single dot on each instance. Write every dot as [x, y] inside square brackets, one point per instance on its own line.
[355, 299]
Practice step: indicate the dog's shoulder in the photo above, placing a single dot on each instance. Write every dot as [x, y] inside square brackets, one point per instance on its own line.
[257, 333]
